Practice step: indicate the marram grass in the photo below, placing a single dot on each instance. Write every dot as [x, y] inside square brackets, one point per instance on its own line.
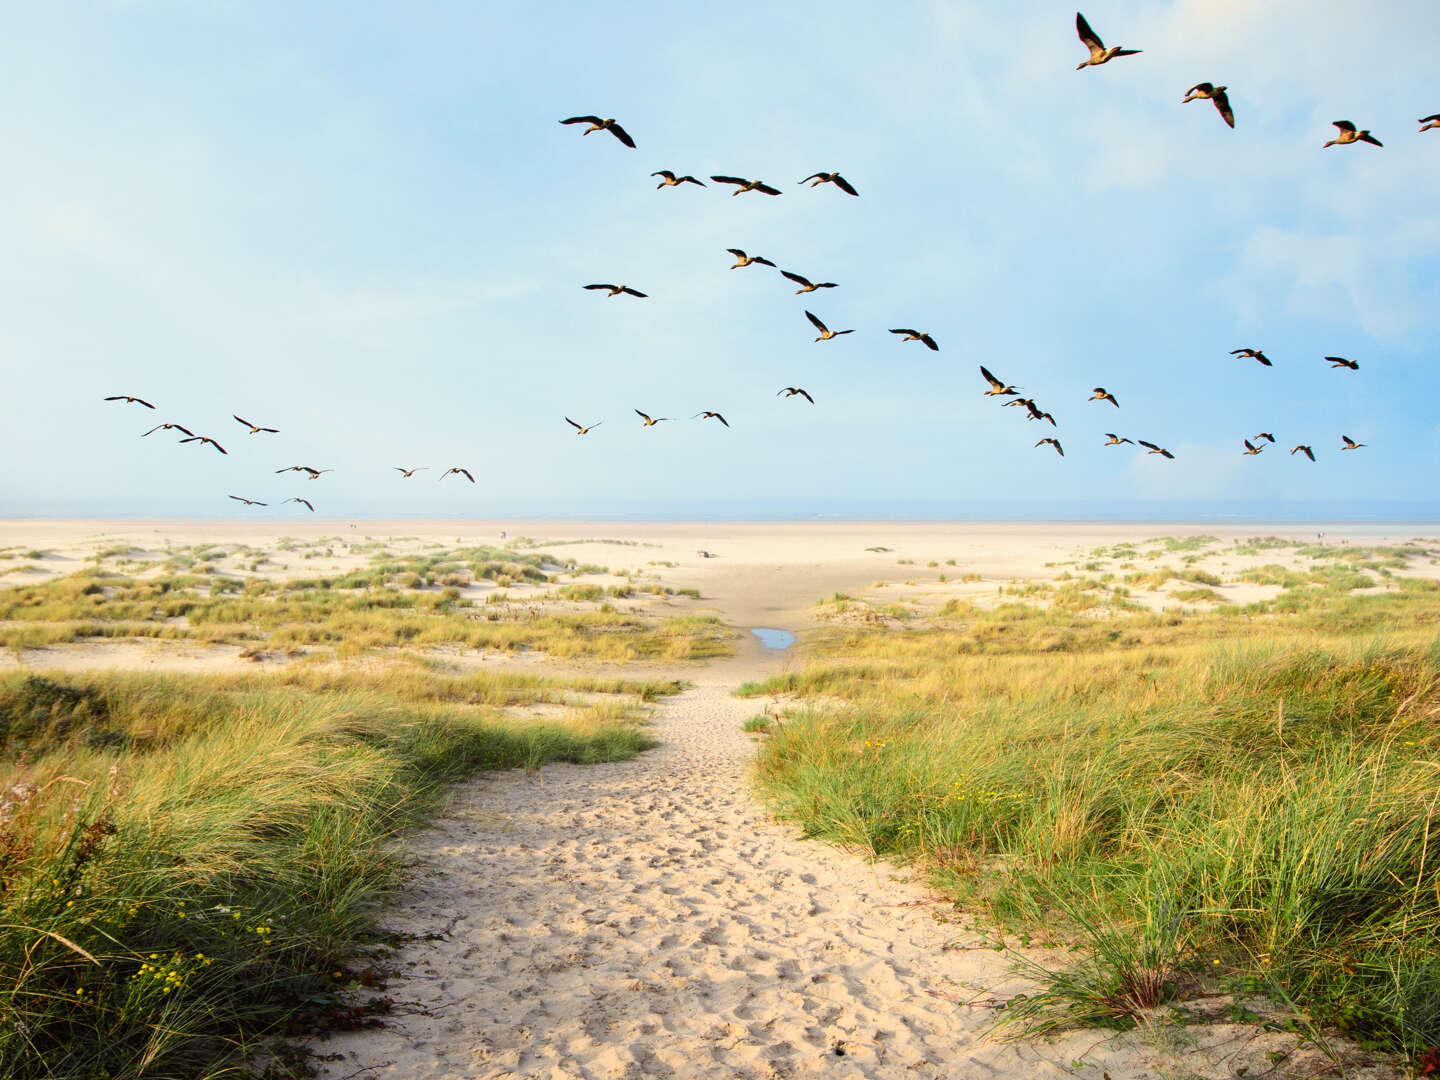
[1259, 815]
[189, 865]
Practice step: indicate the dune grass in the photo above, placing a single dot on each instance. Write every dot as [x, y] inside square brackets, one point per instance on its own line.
[1234, 800]
[189, 865]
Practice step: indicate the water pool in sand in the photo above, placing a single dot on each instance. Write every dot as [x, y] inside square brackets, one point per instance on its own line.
[773, 639]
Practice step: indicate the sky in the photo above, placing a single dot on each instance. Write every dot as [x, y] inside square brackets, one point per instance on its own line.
[361, 224]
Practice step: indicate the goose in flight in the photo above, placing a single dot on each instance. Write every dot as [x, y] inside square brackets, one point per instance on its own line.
[742, 185]
[831, 178]
[1303, 449]
[203, 439]
[917, 335]
[303, 502]
[1101, 394]
[996, 386]
[1428, 122]
[825, 332]
[1034, 413]
[649, 420]
[1265, 435]
[1053, 442]
[458, 471]
[255, 429]
[741, 259]
[407, 473]
[311, 474]
[669, 179]
[616, 290]
[1254, 354]
[1251, 448]
[1341, 362]
[130, 399]
[1208, 91]
[708, 415]
[248, 502]
[583, 430]
[1111, 439]
[806, 285]
[168, 427]
[1151, 448]
[1099, 54]
[1348, 135]
[597, 124]
[1350, 444]
[791, 391]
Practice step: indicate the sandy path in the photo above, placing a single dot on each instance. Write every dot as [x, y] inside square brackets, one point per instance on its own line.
[647, 919]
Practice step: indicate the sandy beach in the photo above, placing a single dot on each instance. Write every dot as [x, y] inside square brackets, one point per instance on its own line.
[648, 918]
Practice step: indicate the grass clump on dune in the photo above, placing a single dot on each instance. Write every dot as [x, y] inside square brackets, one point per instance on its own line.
[188, 865]
[1255, 816]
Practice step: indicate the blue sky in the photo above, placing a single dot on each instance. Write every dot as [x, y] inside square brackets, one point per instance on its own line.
[361, 224]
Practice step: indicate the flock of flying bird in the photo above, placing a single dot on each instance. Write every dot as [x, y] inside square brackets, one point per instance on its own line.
[1099, 54]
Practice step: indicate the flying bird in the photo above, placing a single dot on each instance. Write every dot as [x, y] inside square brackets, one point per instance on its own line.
[742, 185]
[1348, 134]
[256, 429]
[203, 439]
[669, 179]
[248, 502]
[1251, 448]
[459, 471]
[1304, 450]
[1254, 354]
[1340, 361]
[707, 415]
[168, 427]
[1151, 448]
[1265, 435]
[1099, 54]
[916, 335]
[1350, 444]
[741, 259]
[651, 421]
[583, 430]
[130, 400]
[825, 332]
[791, 391]
[1203, 91]
[1035, 414]
[311, 473]
[616, 290]
[806, 285]
[597, 124]
[1053, 442]
[1111, 439]
[304, 502]
[407, 473]
[1101, 394]
[1429, 122]
[996, 386]
[831, 178]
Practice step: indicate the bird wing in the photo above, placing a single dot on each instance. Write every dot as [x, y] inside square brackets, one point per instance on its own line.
[599, 286]
[466, 474]
[147, 404]
[1149, 445]
[635, 292]
[807, 397]
[582, 120]
[308, 504]
[767, 189]
[1222, 103]
[1203, 87]
[736, 252]
[691, 180]
[621, 134]
[762, 262]
[929, 342]
[1242, 352]
[1247, 444]
[1365, 137]
[817, 323]
[642, 415]
[729, 180]
[795, 278]
[821, 175]
[288, 468]
[665, 173]
[177, 427]
[398, 469]
[912, 333]
[1429, 119]
[217, 446]
[1263, 359]
[722, 419]
[1343, 125]
[572, 423]
[1127, 52]
[242, 420]
[844, 185]
[1166, 453]
[1089, 37]
[154, 429]
[990, 378]
[237, 498]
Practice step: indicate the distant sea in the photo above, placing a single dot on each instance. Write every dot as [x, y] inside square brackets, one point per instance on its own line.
[1217, 512]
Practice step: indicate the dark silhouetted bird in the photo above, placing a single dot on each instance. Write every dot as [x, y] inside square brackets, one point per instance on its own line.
[1111, 439]
[1216, 94]
[203, 439]
[1053, 442]
[831, 178]
[459, 472]
[1341, 362]
[303, 502]
[916, 335]
[310, 474]
[741, 259]
[168, 427]
[1101, 394]
[1303, 449]
[1251, 448]
[256, 429]
[708, 414]
[1151, 448]
[742, 185]
[806, 285]
[407, 473]
[597, 124]
[1428, 122]
[130, 400]
[669, 179]
[1265, 435]
[248, 502]
[616, 290]
[791, 391]
[1254, 354]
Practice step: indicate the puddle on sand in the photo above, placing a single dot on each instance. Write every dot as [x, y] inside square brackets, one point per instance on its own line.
[773, 639]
